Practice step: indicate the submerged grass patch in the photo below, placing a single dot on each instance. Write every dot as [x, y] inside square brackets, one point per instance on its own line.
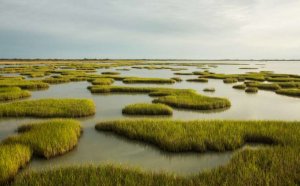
[48, 108]
[149, 80]
[48, 138]
[12, 158]
[178, 98]
[147, 109]
[13, 93]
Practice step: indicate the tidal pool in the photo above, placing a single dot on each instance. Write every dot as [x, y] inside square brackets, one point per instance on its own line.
[100, 147]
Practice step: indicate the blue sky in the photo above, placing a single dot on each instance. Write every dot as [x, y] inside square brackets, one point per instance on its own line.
[190, 29]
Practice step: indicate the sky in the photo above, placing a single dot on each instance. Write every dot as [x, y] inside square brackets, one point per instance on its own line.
[164, 29]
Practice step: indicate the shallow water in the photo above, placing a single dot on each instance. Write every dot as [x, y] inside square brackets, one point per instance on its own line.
[99, 147]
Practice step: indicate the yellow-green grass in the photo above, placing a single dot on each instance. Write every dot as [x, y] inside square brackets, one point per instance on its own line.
[283, 79]
[278, 165]
[201, 80]
[48, 108]
[193, 101]
[149, 80]
[288, 84]
[56, 80]
[24, 84]
[12, 158]
[204, 135]
[48, 138]
[147, 109]
[178, 98]
[13, 93]
[103, 81]
[289, 92]
[240, 86]
[230, 80]
[264, 86]
[251, 90]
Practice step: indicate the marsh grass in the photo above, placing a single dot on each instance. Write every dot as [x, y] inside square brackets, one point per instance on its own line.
[278, 165]
[147, 109]
[240, 86]
[49, 138]
[230, 80]
[24, 84]
[289, 92]
[56, 80]
[103, 81]
[13, 93]
[48, 108]
[12, 158]
[178, 98]
[264, 86]
[201, 80]
[251, 90]
[149, 80]
[204, 135]
[283, 79]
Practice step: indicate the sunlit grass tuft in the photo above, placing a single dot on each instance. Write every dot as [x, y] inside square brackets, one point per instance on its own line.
[147, 109]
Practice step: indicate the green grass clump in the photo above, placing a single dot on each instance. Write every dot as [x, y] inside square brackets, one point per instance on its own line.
[13, 93]
[201, 80]
[147, 109]
[251, 90]
[288, 84]
[48, 108]
[264, 86]
[193, 101]
[111, 73]
[204, 135]
[289, 92]
[56, 80]
[103, 81]
[12, 158]
[283, 79]
[230, 80]
[178, 98]
[48, 138]
[24, 84]
[240, 86]
[149, 80]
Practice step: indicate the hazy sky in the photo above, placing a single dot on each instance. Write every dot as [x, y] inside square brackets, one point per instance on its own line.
[150, 29]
